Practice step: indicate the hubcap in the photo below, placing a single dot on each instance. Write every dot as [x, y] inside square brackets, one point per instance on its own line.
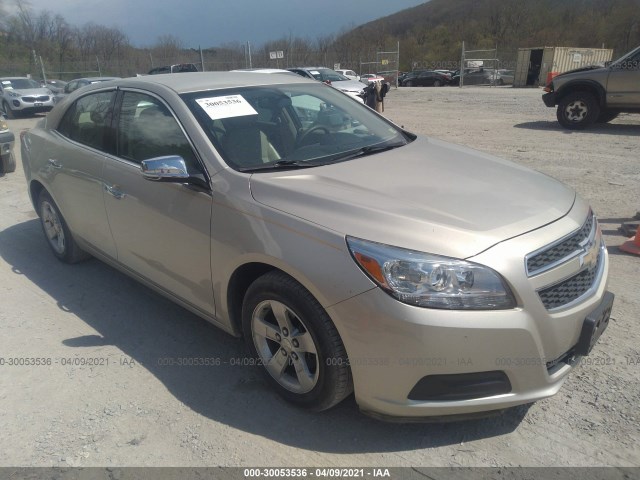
[576, 111]
[53, 228]
[285, 346]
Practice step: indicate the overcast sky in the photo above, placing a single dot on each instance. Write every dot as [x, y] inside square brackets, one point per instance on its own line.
[208, 23]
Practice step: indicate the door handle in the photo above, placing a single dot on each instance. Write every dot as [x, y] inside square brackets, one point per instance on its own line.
[54, 163]
[114, 191]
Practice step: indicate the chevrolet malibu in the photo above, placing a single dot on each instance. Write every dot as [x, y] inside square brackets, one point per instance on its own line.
[353, 256]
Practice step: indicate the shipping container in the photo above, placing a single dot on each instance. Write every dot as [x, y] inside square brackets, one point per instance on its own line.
[536, 66]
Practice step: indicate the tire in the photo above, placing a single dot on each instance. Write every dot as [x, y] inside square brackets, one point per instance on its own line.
[7, 110]
[578, 110]
[57, 232]
[437, 83]
[606, 117]
[8, 163]
[292, 337]
[408, 83]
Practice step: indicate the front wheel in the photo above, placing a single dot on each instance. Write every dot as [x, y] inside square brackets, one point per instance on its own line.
[57, 232]
[8, 163]
[578, 110]
[7, 110]
[293, 338]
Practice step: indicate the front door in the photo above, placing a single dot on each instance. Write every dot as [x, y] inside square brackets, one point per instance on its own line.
[623, 86]
[162, 230]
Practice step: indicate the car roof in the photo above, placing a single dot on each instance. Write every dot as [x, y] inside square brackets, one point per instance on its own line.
[96, 79]
[202, 81]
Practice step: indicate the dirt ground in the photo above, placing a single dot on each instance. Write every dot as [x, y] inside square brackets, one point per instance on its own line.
[106, 399]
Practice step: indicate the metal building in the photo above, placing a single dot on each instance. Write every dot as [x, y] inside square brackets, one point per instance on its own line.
[536, 66]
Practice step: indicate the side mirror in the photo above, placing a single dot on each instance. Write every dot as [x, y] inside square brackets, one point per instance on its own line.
[171, 168]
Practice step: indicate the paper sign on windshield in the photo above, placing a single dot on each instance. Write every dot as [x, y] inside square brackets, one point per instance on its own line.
[226, 107]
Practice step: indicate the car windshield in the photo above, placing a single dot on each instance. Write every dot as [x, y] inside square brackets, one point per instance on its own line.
[290, 126]
[19, 83]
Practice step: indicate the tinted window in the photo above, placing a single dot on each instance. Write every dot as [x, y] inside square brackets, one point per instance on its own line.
[87, 120]
[147, 129]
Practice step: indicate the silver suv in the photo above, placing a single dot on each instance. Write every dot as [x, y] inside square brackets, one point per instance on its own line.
[24, 95]
[596, 94]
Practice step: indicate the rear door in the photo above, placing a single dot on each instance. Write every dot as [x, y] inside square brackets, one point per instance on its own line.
[76, 159]
[162, 230]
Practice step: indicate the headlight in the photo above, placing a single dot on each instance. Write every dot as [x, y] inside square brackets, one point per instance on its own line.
[431, 281]
[14, 94]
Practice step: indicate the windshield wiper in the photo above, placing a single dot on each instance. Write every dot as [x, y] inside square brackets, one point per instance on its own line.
[370, 150]
[279, 165]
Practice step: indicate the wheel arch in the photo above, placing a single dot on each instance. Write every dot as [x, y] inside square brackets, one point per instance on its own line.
[239, 282]
[582, 86]
[35, 188]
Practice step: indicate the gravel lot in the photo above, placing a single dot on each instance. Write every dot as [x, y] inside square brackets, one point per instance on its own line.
[128, 410]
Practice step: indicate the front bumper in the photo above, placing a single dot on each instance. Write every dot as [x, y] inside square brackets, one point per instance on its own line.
[514, 356]
[20, 105]
[549, 99]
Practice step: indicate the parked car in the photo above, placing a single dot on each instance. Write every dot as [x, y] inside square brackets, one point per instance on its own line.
[350, 74]
[425, 78]
[7, 160]
[506, 77]
[326, 75]
[22, 95]
[371, 77]
[389, 76]
[459, 283]
[264, 70]
[478, 77]
[596, 94]
[77, 83]
[56, 86]
[448, 73]
[178, 68]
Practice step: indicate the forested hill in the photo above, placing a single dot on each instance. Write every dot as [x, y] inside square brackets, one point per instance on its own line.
[434, 31]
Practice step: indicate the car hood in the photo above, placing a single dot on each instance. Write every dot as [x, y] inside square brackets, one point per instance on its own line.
[25, 92]
[428, 196]
[578, 70]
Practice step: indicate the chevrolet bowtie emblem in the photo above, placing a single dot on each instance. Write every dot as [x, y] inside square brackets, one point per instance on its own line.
[590, 249]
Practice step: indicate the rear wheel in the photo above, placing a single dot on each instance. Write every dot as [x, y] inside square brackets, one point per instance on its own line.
[578, 110]
[293, 338]
[408, 83]
[57, 232]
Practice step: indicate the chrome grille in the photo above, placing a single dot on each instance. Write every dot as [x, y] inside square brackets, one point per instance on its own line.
[558, 252]
[571, 289]
[37, 98]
